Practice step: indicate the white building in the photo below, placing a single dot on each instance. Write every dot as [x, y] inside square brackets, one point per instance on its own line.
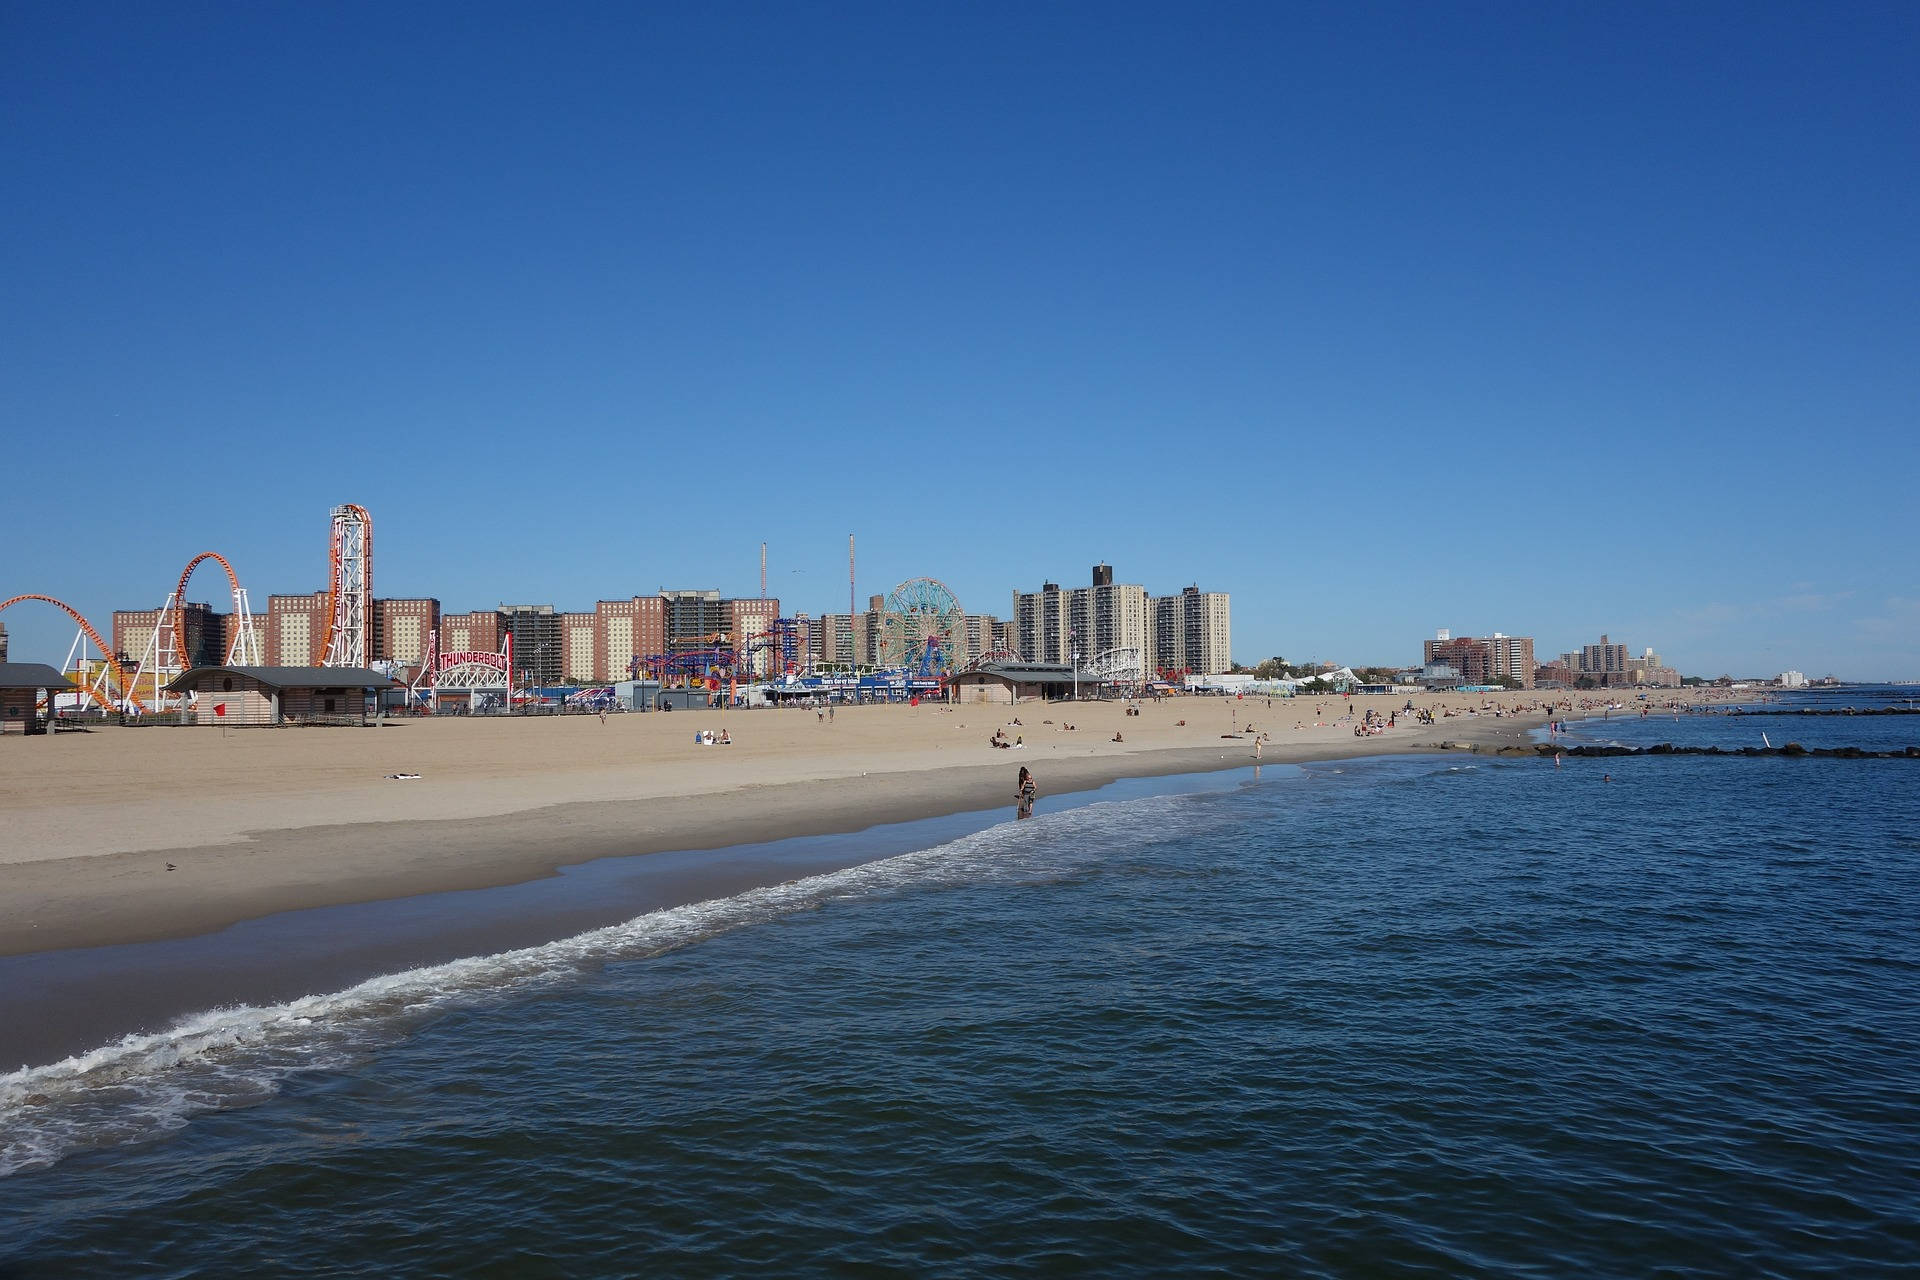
[1792, 680]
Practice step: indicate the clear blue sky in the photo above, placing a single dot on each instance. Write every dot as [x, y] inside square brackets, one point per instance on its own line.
[1547, 319]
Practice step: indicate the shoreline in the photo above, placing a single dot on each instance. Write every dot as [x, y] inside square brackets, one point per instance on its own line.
[56, 904]
[290, 822]
[96, 947]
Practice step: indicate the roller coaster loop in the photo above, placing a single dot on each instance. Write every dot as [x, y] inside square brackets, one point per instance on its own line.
[113, 664]
[180, 597]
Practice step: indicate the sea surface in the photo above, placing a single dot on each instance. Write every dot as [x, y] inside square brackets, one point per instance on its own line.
[1415, 1015]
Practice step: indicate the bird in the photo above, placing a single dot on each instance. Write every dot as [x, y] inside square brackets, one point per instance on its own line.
[171, 867]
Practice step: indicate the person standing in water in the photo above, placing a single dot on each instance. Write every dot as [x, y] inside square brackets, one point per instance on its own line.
[1024, 793]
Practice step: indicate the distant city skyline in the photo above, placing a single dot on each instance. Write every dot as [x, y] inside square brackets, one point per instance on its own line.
[1555, 323]
[42, 626]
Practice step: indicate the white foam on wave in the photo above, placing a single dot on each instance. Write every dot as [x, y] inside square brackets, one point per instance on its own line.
[143, 1085]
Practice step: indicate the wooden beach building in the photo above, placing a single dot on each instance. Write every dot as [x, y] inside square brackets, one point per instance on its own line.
[22, 685]
[282, 695]
[1012, 682]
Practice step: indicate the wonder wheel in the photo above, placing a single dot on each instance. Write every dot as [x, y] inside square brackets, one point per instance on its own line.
[917, 612]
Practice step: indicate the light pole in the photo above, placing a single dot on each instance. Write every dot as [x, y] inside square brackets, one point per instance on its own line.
[1073, 656]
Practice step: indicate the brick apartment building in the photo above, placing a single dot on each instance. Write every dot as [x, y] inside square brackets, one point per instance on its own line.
[1480, 659]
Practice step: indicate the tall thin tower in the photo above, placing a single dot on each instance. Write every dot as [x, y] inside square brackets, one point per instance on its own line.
[349, 589]
[763, 571]
[850, 609]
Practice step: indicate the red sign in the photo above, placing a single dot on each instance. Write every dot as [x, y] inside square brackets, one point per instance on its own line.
[219, 708]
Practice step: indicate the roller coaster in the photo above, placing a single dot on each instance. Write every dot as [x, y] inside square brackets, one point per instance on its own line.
[116, 685]
[115, 695]
[112, 686]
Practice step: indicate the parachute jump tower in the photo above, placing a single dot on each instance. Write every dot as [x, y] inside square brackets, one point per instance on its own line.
[349, 589]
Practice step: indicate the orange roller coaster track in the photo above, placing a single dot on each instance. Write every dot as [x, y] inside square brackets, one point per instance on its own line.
[349, 587]
[113, 664]
[180, 601]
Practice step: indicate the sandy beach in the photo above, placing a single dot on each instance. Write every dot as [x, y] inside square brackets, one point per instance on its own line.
[254, 822]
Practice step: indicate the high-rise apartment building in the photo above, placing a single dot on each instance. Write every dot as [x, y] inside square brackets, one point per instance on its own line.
[296, 629]
[537, 652]
[627, 631]
[1511, 657]
[1041, 624]
[748, 622]
[1603, 659]
[984, 634]
[1483, 659]
[402, 629]
[476, 632]
[205, 632]
[579, 634]
[695, 620]
[1192, 632]
[840, 640]
[830, 640]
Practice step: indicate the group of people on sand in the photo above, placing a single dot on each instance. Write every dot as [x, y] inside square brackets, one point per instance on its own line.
[1373, 723]
[707, 738]
[999, 739]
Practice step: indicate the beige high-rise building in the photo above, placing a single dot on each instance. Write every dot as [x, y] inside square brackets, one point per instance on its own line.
[476, 632]
[627, 632]
[1051, 625]
[1191, 632]
[1041, 624]
[579, 648]
[204, 632]
[402, 627]
[840, 641]
[296, 630]
[1511, 656]
[748, 621]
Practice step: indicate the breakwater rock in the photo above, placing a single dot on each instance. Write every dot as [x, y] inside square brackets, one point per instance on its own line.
[1822, 711]
[1793, 749]
[1789, 749]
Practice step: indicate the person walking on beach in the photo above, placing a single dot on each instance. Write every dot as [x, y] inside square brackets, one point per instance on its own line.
[1024, 793]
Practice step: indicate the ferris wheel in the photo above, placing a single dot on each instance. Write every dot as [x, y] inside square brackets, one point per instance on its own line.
[921, 625]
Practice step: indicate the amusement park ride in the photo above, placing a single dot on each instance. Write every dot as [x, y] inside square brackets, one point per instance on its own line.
[106, 683]
[921, 641]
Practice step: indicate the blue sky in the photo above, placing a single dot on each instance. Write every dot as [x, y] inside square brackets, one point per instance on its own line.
[1546, 319]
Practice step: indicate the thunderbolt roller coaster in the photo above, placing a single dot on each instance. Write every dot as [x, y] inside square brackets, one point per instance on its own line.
[121, 686]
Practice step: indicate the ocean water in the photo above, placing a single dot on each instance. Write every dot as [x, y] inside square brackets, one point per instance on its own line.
[1404, 1016]
[1776, 722]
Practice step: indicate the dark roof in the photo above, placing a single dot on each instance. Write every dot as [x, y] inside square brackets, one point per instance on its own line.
[31, 675]
[1032, 672]
[290, 677]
